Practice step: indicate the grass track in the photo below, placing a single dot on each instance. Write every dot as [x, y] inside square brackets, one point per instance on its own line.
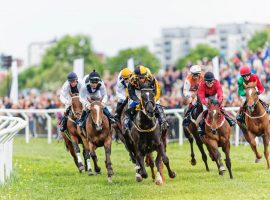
[44, 171]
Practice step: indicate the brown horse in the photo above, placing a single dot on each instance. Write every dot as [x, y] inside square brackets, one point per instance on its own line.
[191, 132]
[256, 120]
[147, 137]
[98, 134]
[71, 136]
[217, 134]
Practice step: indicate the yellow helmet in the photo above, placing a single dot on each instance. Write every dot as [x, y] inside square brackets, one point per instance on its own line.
[140, 71]
[126, 73]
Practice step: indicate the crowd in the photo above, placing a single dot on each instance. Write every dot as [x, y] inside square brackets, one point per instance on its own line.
[171, 82]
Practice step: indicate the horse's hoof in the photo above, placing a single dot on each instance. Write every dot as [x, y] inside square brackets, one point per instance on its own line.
[81, 167]
[158, 180]
[90, 173]
[98, 173]
[193, 162]
[258, 160]
[138, 177]
[221, 170]
[172, 175]
[109, 179]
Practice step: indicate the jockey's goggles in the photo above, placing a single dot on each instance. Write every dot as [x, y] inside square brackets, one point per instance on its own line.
[210, 82]
[94, 80]
[196, 74]
[246, 75]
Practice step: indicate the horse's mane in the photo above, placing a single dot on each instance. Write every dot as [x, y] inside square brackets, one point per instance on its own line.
[250, 85]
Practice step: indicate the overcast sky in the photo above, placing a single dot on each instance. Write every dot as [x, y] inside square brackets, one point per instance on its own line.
[115, 24]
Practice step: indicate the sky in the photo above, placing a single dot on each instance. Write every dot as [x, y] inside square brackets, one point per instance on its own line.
[115, 24]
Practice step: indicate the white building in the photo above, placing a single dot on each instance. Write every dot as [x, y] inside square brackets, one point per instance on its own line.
[176, 43]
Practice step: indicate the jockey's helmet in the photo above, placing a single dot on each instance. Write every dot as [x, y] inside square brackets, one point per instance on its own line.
[140, 71]
[195, 69]
[72, 76]
[126, 73]
[209, 76]
[94, 77]
[245, 70]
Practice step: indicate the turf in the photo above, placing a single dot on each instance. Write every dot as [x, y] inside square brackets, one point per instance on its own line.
[43, 171]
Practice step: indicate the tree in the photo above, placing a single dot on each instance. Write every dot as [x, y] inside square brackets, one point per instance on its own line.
[259, 40]
[201, 51]
[141, 55]
[58, 61]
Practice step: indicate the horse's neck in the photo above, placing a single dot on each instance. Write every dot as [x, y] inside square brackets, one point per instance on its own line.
[197, 111]
[258, 110]
[145, 121]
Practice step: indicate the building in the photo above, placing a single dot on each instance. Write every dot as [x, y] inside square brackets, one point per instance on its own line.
[175, 43]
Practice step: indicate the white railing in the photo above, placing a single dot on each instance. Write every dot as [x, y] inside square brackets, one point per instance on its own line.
[178, 113]
[9, 126]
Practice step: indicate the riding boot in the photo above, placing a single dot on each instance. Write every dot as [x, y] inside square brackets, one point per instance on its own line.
[119, 108]
[161, 117]
[64, 120]
[109, 115]
[82, 119]
[228, 118]
[130, 113]
[187, 117]
[241, 116]
[265, 105]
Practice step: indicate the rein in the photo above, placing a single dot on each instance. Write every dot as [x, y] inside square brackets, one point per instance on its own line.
[145, 130]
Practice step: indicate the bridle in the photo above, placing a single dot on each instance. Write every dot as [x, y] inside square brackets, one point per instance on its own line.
[75, 114]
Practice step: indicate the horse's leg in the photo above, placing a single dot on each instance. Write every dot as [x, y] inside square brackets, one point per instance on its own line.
[165, 159]
[251, 140]
[107, 147]
[226, 150]
[71, 149]
[204, 156]
[266, 143]
[190, 139]
[140, 160]
[76, 147]
[149, 162]
[93, 155]
[158, 161]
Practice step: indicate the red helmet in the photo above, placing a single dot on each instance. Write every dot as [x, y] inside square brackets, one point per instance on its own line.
[244, 70]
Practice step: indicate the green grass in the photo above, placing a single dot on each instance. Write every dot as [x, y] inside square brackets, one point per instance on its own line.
[43, 171]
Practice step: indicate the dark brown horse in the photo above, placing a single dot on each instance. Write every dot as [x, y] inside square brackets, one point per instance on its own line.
[217, 134]
[98, 134]
[147, 137]
[191, 132]
[71, 136]
[256, 120]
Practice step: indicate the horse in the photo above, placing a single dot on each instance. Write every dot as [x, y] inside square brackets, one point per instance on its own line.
[71, 136]
[97, 134]
[126, 139]
[191, 132]
[256, 120]
[147, 136]
[217, 134]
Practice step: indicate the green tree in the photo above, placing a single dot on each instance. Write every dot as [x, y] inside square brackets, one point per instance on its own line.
[58, 61]
[259, 40]
[141, 55]
[201, 51]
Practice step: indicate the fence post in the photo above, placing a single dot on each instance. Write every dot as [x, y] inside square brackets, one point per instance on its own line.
[49, 125]
[27, 132]
[181, 135]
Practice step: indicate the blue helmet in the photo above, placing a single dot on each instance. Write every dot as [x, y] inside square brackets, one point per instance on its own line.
[72, 76]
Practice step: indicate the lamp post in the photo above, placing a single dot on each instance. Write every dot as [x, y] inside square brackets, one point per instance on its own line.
[40, 44]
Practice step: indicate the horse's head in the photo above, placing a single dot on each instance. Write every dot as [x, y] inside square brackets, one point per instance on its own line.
[251, 95]
[214, 114]
[76, 106]
[97, 114]
[148, 101]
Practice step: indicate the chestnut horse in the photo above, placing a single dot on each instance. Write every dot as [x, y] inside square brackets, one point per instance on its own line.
[217, 134]
[191, 132]
[256, 120]
[71, 136]
[98, 133]
[147, 137]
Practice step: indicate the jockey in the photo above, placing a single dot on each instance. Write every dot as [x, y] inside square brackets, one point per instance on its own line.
[121, 91]
[94, 89]
[247, 77]
[190, 91]
[209, 88]
[140, 76]
[71, 86]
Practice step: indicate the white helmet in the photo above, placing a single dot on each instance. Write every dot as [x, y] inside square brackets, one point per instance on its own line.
[195, 69]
